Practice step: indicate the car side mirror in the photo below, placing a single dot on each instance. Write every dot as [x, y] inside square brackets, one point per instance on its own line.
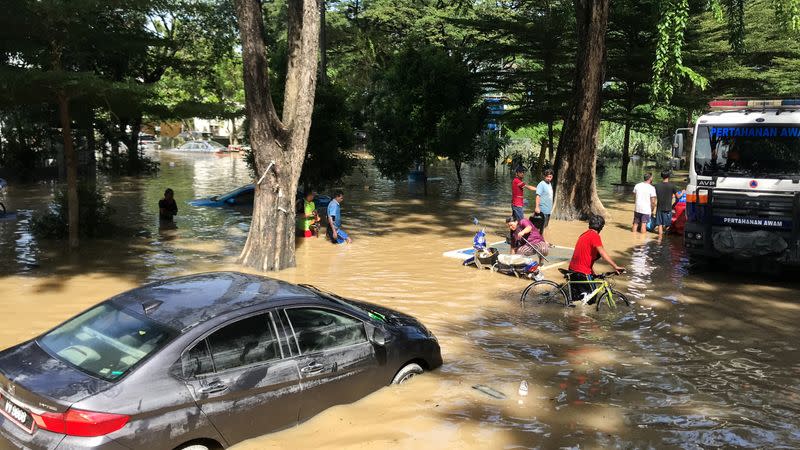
[677, 145]
[376, 335]
[181, 370]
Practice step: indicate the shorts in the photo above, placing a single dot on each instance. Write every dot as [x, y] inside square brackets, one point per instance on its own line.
[664, 218]
[528, 250]
[577, 290]
[640, 218]
[517, 212]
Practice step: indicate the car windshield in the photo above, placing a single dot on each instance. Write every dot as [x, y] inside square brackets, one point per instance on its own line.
[336, 299]
[106, 341]
[749, 151]
[215, 144]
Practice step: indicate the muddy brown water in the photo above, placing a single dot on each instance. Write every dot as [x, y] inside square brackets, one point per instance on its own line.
[702, 360]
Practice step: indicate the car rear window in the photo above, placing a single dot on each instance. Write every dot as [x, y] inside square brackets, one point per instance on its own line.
[106, 341]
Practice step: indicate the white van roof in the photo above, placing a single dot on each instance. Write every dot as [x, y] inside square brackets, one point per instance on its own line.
[750, 116]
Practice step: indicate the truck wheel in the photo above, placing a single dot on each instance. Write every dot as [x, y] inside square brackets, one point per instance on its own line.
[408, 372]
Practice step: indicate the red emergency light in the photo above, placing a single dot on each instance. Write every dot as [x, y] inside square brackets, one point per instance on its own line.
[754, 104]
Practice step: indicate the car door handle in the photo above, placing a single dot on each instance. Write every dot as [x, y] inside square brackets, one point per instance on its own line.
[214, 386]
[312, 368]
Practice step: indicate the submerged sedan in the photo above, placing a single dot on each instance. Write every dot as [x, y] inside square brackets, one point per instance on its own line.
[245, 195]
[241, 196]
[202, 362]
[202, 146]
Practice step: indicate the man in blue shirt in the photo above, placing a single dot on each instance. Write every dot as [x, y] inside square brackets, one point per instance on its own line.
[335, 233]
[544, 198]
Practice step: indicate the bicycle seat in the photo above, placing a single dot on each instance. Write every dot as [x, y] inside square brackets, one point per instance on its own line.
[565, 272]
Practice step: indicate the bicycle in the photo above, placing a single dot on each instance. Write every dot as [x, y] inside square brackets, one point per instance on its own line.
[546, 291]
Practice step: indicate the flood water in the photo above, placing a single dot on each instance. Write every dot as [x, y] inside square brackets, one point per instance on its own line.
[701, 360]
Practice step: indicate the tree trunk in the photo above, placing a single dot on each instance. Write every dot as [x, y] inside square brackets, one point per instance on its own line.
[626, 157]
[540, 163]
[91, 143]
[457, 163]
[576, 193]
[550, 139]
[279, 144]
[132, 141]
[234, 139]
[425, 177]
[71, 163]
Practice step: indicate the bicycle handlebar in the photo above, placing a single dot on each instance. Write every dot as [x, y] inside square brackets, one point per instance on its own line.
[611, 274]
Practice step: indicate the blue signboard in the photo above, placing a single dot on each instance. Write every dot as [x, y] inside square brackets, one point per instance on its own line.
[766, 132]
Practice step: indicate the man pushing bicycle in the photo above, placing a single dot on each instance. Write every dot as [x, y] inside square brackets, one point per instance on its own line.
[588, 249]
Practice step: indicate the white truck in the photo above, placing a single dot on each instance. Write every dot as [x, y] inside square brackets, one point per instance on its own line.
[743, 196]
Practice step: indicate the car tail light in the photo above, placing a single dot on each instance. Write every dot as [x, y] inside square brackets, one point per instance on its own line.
[76, 422]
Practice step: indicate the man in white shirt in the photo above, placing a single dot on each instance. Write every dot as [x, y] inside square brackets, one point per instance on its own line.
[645, 203]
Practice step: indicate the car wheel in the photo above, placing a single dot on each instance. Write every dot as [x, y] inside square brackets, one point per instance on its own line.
[408, 372]
[195, 447]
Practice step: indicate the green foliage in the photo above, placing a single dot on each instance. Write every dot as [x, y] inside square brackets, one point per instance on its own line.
[631, 47]
[767, 67]
[536, 133]
[747, 37]
[330, 139]
[788, 13]
[669, 49]
[26, 145]
[527, 143]
[491, 146]
[526, 50]
[94, 215]
[328, 158]
[105, 56]
[423, 105]
[647, 145]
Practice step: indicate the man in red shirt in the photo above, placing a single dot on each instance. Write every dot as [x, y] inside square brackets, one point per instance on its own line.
[588, 249]
[518, 187]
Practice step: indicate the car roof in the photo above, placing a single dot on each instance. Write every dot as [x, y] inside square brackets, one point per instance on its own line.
[187, 301]
[238, 191]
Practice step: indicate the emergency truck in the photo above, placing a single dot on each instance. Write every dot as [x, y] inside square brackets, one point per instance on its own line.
[743, 196]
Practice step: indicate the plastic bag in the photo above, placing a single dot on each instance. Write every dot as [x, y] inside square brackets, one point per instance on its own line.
[651, 225]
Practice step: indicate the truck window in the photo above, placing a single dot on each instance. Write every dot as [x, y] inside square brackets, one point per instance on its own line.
[765, 151]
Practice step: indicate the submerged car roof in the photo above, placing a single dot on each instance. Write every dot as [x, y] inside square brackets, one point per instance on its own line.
[185, 302]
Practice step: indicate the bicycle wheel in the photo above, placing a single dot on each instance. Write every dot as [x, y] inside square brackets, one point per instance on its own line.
[620, 302]
[543, 292]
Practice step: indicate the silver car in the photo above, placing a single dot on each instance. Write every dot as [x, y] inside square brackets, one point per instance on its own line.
[202, 362]
[202, 146]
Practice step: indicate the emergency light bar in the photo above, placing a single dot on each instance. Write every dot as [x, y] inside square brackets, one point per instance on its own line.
[754, 104]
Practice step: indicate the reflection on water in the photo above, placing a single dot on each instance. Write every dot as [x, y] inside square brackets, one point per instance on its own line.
[700, 360]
